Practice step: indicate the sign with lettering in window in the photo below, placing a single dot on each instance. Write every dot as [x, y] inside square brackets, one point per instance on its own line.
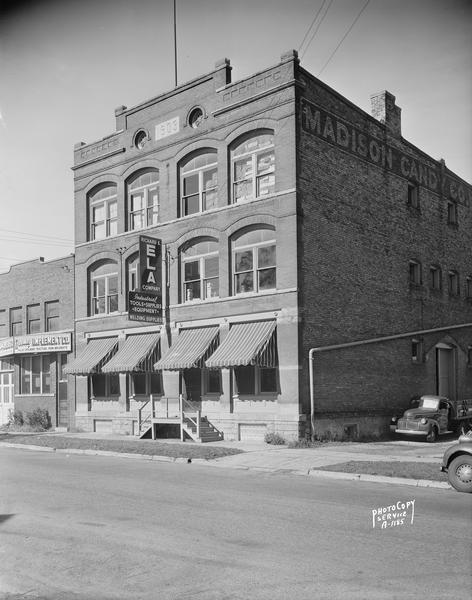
[150, 264]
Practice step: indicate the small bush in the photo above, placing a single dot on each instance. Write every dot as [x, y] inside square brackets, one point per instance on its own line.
[274, 438]
[38, 419]
[16, 419]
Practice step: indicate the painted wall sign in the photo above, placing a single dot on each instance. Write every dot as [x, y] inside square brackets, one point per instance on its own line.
[150, 264]
[167, 128]
[37, 343]
[144, 306]
[342, 134]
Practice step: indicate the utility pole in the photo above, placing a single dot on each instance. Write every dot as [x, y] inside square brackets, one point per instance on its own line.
[175, 41]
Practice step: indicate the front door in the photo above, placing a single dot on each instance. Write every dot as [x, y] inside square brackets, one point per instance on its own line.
[445, 378]
[6, 393]
[192, 386]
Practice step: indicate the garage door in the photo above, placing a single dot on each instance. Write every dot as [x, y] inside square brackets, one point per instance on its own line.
[252, 432]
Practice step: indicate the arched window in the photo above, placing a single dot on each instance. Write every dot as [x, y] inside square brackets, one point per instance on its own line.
[253, 168]
[199, 271]
[104, 288]
[132, 274]
[102, 206]
[143, 199]
[254, 261]
[198, 184]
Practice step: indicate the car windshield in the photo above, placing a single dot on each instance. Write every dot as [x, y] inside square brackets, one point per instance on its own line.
[429, 402]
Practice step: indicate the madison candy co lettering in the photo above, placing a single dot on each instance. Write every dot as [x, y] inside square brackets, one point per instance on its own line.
[318, 122]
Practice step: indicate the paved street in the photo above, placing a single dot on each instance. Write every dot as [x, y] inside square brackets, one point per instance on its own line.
[82, 527]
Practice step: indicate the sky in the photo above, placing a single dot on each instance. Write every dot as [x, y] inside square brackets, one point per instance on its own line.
[65, 65]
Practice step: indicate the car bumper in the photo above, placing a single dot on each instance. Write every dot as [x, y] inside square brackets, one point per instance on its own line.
[410, 432]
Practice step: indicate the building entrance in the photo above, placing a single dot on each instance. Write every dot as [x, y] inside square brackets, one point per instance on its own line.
[445, 372]
[6, 393]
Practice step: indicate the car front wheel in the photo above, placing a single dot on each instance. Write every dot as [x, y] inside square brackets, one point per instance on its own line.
[459, 473]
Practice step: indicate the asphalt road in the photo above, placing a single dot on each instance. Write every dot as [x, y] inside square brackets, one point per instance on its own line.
[99, 528]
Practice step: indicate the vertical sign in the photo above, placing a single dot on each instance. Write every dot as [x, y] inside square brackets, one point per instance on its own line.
[150, 264]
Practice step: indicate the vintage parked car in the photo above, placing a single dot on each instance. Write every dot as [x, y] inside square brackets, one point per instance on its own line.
[457, 463]
[431, 416]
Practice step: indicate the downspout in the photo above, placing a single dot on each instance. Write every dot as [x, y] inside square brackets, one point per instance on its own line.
[362, 343]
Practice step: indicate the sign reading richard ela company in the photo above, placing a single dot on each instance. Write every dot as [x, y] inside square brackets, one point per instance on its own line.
[145, 304]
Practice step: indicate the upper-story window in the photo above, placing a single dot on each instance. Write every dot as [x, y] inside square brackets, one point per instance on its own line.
[254, 261]
[468, 288]
[33, 316]
[103, 212]
[435, 277]
[143, 199]
[198, 184]
[413, 196]
[51, 310]
[16, 321]
[3, 323]
[452, 212]
[104, 289]
[414, 272]
[199, 264]
[253, 168]
[453, 283]
[133, 273]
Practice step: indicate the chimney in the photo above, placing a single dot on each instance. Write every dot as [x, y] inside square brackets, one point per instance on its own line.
[222, 74]
[387, 112]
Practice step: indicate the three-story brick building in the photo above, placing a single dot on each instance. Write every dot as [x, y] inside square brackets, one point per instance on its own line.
[287, 219]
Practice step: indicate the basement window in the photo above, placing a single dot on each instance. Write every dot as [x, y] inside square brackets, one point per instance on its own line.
[416, 351]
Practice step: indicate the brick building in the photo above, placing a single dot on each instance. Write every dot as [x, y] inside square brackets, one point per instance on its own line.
[36, 337]
[280, 218]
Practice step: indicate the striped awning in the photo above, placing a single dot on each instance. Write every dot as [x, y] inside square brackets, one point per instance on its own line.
[247, 344]
[97, 352]
[136, 353]
[190, 349]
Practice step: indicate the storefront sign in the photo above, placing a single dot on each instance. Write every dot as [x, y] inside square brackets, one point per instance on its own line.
[150, 264]
[6, 346]
[144, 306]
[342, 134]
[43, 342]
[37, 343]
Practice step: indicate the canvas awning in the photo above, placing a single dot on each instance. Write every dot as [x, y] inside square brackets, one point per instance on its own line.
[246, 344]
[190, 349]
[136, 353]
[97, 352]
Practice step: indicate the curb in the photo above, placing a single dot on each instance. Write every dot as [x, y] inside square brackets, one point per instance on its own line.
[423, 483]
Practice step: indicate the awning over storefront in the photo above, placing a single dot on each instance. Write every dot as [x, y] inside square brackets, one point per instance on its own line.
[137, 353]
[190, 349]
[246, 344]
[97, 352]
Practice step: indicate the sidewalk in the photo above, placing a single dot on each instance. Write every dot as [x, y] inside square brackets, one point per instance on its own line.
[266, 458]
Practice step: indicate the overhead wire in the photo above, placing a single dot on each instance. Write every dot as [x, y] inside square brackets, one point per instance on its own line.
[311, 25]
[48, 237]
[317, 28]
[344, 37]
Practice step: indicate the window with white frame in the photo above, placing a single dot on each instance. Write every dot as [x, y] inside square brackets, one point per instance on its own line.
[253, 168]
[104, 289]
[35, 374]
[435, 277]
[143, 199]
[198, 184]
[254, 261]
[200, 271]
[453, 283]
[415, 272]
[252, 380]
[51, 310]
[103, 212]
[16, 321]
[33, 318]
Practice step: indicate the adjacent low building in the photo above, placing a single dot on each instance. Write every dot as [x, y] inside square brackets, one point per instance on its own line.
[279, 218]
[36, 339]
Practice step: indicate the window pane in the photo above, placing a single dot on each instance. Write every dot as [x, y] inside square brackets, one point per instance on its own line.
[192, 270]
[267, 279]
[191, 205]
[210, 200]
[242, 190]
[243, 261]
[99, 385]
[191, 185]
[209, 179]
[139, 383]
[265, 185]
[46, 375]
[213, 381]
[112, 210]
[245, 380]
[98, 213]
[113, 303]
[25, 382]
[137, 202]
[244, 283]
[268, 377]
[211, 287]
[265, 162]
[192, 291]
[156, 383]
[266, 257]
[114, 384]
[36, 374]
[112, 227]
[211, 266]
